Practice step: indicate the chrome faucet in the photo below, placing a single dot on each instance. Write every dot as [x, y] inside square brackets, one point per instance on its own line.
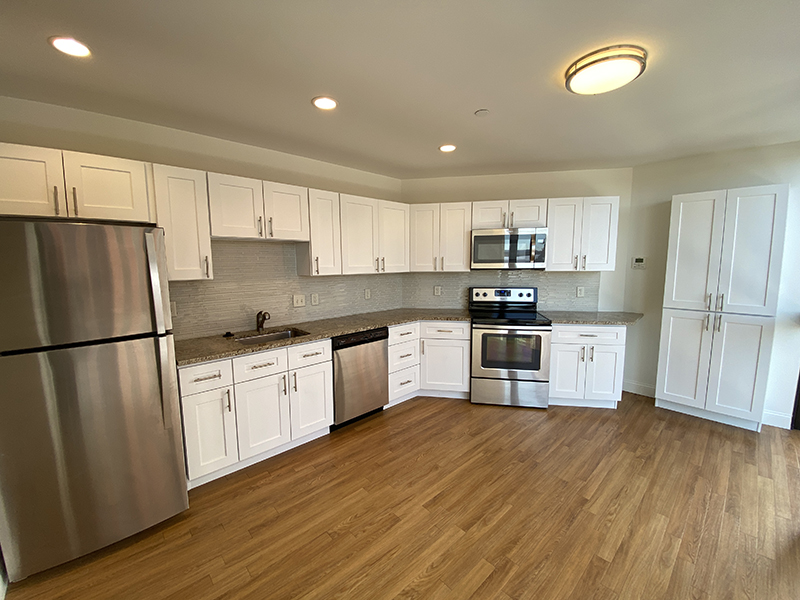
[261, 318]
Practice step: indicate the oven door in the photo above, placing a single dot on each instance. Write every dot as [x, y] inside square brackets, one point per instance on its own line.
[517, 352]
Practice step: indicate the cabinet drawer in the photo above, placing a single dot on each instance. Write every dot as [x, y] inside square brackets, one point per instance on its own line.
[260, 364]
[311, 353]
[589, 334]
[403, 333]
[403, 355]
[205, 376]
[403, 382]
[447, 330]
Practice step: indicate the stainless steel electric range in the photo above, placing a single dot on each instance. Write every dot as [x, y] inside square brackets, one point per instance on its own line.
[510, 348]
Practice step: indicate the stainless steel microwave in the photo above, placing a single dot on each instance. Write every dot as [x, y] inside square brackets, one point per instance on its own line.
[509, 248]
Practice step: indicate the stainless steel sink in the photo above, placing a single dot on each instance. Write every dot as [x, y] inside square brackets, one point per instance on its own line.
[271, 337]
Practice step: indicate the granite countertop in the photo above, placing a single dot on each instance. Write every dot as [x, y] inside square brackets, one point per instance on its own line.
[217, 347]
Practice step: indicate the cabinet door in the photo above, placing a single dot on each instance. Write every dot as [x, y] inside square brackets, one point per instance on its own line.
[695, 240]
[393, 236]
[237, 206]
[286, 211]
[739, 363]
[527, 213]
[567, 370]
[490, 214]
[445, 365]
[311, 399]
[209, 431]
[359, 235]
[565, 219]
[604, 371]
[599, 233]
[182, 209]
[104, 187]
[31, 181]
[454, 238]
[424, 237]
[684, 355]
[326, 244]
[752, 249]
[262, 414]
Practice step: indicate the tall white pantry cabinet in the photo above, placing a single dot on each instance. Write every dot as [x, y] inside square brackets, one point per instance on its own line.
[720, 299]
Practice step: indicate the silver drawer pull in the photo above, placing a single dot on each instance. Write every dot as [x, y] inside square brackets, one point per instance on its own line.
[406, 355]
[406, 382]
[407, 333]
[317, 353]
[444, 331]
[208, 378]
[587, 335]
[261, 366]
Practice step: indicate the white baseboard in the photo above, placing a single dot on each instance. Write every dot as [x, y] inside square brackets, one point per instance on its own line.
[708, 415]
[776, 419]
[243, 464]
[444, 394]
[635, 387]
[582, 403]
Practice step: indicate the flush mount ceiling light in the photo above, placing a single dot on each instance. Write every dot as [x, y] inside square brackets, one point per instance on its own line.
[447, 148]
[606, 69]
[70, 46]
[324, 103]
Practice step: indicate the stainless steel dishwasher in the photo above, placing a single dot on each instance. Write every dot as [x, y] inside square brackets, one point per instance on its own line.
[360, 373]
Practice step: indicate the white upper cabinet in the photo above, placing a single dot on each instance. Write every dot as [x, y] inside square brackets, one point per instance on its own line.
[182, 209]
[502, 214]
[393, 236]
[582, 234]
[104, 187]
[323, 255]
[725, 250]
[286, 211]
[31, 181]
[237, 206]
[359, 234]
[440, 236]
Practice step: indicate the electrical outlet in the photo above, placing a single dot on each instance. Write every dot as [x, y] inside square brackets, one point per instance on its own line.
[581, 291]
[367, 294]
[314, 299]
[437, 290]
[299, 300]
[173, 309]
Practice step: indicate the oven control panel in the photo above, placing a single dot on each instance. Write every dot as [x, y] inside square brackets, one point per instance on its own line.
[503, 294]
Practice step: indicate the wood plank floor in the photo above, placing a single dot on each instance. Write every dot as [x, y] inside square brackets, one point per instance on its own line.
[439, 498]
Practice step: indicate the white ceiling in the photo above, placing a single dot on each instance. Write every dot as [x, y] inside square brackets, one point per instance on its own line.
[409, 74]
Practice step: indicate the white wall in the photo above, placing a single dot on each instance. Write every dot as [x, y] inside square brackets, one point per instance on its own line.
[554, 184]
[653, 187]
[38, 124]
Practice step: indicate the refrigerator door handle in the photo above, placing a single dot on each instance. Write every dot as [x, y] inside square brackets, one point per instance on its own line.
[168, 379]
[155, 281]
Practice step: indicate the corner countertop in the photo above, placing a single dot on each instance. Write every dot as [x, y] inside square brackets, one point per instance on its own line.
[204, 349]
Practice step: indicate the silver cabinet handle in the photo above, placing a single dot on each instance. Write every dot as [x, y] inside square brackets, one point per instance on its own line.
[310, 354]
[442, 269]
[406, 355]
[722, 301]
[285, 391]
[576, 262]
[316, 262]
[719, 324]
[591, 353]
[584, 262]
[383, 264]
[407, 333]
[262, 365]
[271, 232]
[707, 319]
[583, 353]
[207, 378]
[444, 331]
[377, 268]
[295, 380]
[504, 218]
[75, 200]
[260, 226]
[708, 303]
[435, 263]
[228, 394]
[406, 382]
[587, 335]
[55, 199]
[511, 224]
[208, 269]
[423, 347]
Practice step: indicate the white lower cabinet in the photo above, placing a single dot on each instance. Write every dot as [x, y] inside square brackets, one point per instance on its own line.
[404, 358]
[311, 399]
[445, 356]
[209, 426]
[404, 382]
[262, 411]
[586, 365]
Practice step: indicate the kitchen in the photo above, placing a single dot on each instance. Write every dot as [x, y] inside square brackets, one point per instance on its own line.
[242, 287]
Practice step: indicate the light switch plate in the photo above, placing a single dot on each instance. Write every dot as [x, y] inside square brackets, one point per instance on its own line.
[314, 299]
[299, 300]
[581, 291]
[437, 290]
[173, 309]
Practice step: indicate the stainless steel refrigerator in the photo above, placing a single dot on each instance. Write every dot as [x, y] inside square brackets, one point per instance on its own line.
[90, 432]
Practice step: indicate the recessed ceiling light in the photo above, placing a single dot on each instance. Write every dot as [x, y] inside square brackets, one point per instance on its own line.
[70, 46]
[324, 103]
[606, 69]
[447, 148]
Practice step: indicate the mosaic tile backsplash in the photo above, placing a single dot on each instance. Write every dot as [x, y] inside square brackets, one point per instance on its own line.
[253, 276]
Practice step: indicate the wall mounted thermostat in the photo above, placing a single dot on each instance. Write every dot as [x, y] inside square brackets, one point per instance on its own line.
[639, 262]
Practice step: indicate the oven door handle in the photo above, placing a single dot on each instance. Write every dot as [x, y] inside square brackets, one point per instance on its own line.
[512, 328]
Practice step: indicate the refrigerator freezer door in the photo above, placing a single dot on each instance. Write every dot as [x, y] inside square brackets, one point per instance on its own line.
[66, 283]
[90, 449]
